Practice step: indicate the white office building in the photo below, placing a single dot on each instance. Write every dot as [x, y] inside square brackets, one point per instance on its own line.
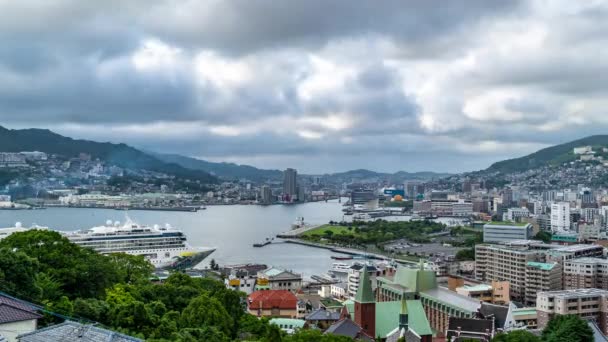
[560, 217]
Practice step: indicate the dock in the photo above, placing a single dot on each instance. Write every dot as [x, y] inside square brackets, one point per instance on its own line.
[294, 233]
[267, 242]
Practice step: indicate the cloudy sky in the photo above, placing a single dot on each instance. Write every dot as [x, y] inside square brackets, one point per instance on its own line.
[313, 84]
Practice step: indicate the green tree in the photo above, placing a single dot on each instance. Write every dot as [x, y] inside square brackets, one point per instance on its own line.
[543, 236]
[18, 274]
[465, 254]
[569, 328]
[315, 336]
[516, 336]
[131, 268]
[207, 311]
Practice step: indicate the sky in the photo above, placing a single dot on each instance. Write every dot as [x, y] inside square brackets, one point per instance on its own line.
[318, 85]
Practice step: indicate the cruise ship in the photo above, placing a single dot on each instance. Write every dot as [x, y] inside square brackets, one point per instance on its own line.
[165, 247]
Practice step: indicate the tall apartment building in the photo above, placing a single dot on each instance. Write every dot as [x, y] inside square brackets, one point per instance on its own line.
[585, 303]
[290, 183]
[540, 277]
[586, 273]
[560, 217]
[509, 262]
[266, 195]
[516, 214]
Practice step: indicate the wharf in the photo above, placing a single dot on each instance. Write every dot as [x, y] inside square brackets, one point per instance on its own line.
[349, 251]
[294, 233]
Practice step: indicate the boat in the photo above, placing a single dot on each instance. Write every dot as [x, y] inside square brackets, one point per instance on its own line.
[341, 257]
[339, 267]
[164, 247]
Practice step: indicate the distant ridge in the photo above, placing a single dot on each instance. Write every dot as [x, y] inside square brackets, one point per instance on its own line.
[122, 155]
[235, 171]
[553, 155]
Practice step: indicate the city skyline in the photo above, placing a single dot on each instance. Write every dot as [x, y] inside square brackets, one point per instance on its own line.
[452, 88]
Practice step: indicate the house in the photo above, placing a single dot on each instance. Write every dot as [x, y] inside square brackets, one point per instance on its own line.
[322, 318]
[75, 332]
[16, 317]
[277, 279]
[273, 303]
[288, 325]
[346, 327]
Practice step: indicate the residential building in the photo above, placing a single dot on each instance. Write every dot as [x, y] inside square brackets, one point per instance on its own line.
[516, 214]
[273, 303]
[541, 276]
[9, 159]
[16, 318]
[506, 231]
[290, 185]
[560, 217]
[585, 273]
[322, 318]
[289, 325]
[585, 303]
[69, 331]
[266, 195]
[277, 279]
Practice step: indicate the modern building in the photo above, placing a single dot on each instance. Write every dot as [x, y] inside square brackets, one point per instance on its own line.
[506, 231]
[585, 303]
[516, 214]
[364, 199]
[586, 273]
[290, 184]
[9, 159]
[266, 195]
[540, 277]
[273, 303]
[560, 217]
[511, 262]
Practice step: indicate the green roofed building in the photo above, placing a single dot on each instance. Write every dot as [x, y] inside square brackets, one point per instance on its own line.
[420, 285]
[541, 277]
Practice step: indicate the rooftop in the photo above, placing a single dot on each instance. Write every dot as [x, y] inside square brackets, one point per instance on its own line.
[541, 265]
[453, 299]
[587, 261]
[577, 293]
[507, 223]
[75, 332]
[475, 288]
[524, 311]
[269, 299]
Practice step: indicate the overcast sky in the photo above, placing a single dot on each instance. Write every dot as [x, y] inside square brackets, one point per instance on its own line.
[313, 84]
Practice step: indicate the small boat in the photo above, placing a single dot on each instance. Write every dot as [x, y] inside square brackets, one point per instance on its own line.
[340, 257]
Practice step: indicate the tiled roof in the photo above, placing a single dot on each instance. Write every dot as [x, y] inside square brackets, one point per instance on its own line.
[281, 299]
[323, 314]
[20, 304]
[75, 332]
[13, 314]
[498, 312]
[345, 327]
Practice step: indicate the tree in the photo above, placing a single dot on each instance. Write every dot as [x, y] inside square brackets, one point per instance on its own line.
[315, 336]
[569, 328]
[516, 336]
[206, 311]
[18, 274]
[131, 268]
[465, 254]
[543, 236]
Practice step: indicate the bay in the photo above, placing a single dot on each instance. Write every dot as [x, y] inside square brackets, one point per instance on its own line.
[231, 229]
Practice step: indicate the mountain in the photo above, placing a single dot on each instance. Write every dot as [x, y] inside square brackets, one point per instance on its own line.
[18, 140]
[397, 177]
[224, 170]
[553, 155]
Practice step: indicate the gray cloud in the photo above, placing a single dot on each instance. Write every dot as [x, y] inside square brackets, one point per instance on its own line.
[399, 85]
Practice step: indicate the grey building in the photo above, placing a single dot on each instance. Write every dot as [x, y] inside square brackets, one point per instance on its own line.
[506, 231]
[266, 195]
[290, 183]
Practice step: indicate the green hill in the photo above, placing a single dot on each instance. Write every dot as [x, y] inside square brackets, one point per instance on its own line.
[553, 155]
[18, 140]
[223, 170]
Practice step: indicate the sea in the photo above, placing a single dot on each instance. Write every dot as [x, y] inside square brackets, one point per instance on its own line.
[231, 229]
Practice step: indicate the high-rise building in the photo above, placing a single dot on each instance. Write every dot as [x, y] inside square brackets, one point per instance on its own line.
[560, 217]
[290, 184]
[266, 195]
